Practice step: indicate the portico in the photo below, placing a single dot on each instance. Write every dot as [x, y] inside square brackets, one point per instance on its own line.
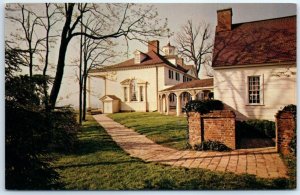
[178, 95]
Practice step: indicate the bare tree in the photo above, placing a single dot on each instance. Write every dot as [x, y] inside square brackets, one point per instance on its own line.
[48, 21]
[28, 39]
[195, 43]
[94, 54]
[113, 21]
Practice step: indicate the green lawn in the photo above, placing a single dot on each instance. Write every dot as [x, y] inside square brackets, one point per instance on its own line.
[170, 131]
[99, 164]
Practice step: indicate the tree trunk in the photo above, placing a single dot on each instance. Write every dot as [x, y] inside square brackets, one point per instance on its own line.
[46, 101]
[30, 61]
[80, 80]
[61, 59]
[84, 96]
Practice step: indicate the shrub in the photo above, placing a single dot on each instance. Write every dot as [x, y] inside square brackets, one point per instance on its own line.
[31, 133]
[291, 108]
[26, 140]
[211, 145]
[255, 128]
[203, 106]
[64, 130]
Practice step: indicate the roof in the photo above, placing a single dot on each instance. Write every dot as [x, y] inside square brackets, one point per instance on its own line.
[113, 97]
[258, 42]
[192, 84]
[152, 58]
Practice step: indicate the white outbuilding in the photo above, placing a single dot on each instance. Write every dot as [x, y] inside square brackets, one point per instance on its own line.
[111, 104]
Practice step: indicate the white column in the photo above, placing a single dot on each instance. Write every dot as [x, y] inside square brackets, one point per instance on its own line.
[138, 94]
[129, 93]
[178, 104]
[163, 104]
[159, 103]
[167, 104]
[145, 99]
[145, 93]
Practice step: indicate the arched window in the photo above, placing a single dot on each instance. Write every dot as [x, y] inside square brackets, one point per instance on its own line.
[133, 90]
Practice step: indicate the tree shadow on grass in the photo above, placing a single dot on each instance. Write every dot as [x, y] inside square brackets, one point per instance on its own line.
[108, 163]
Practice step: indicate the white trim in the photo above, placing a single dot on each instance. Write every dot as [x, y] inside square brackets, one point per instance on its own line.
[261, 84]
[254, 65]
[106, 69]
[186, 89]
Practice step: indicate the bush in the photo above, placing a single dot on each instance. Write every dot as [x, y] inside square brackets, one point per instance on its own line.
[31, 133]
[64, 130]
[26, 140]
[255, 128]
[291, 108]
[212, 145]
[203, 106]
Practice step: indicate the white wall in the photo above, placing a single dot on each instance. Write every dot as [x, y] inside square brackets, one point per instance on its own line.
[230, 86]
[97, 91]
[113, 87]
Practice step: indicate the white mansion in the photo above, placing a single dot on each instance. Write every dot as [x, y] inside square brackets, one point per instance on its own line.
[136, 84]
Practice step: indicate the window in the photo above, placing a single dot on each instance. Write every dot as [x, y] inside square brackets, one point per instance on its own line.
[254, 90]
[177, 76]
[133, 90]
[125, 94]
[141, 94]
[171, 74]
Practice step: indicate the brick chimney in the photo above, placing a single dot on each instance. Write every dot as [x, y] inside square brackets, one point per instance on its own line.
[224, 20]
[153, 46]
[180, 61]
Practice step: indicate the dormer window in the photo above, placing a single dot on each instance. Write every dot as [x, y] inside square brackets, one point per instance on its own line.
[139, 57]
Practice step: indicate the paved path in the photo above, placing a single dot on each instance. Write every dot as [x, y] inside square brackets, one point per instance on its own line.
[263, 162]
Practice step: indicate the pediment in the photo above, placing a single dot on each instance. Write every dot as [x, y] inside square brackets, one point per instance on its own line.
[109, 98]
[138, 81]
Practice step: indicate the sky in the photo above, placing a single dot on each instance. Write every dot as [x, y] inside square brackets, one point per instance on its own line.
[177, 15]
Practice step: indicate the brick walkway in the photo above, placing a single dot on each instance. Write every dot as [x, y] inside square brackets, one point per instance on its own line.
[263, 162]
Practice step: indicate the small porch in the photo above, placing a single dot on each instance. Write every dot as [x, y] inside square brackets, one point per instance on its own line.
[172, 100]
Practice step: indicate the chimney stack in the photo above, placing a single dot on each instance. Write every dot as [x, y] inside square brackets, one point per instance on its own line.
[224, 20]
[153, 46]
[180, 61]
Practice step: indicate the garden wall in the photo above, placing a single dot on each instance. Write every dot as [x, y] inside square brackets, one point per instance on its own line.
[285, 125]
[217, 125]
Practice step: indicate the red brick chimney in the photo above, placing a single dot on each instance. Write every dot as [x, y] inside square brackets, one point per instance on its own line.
[224, 20]
[153, 46]
[180, 61]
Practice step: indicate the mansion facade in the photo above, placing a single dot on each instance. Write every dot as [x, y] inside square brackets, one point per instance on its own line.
[135, 84]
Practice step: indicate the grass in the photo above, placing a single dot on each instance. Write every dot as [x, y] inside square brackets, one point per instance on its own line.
[170, 131]
[99, 164]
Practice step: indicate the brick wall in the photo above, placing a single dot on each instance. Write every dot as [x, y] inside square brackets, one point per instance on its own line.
[194, 128]
[216, 126]
[285, 125]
